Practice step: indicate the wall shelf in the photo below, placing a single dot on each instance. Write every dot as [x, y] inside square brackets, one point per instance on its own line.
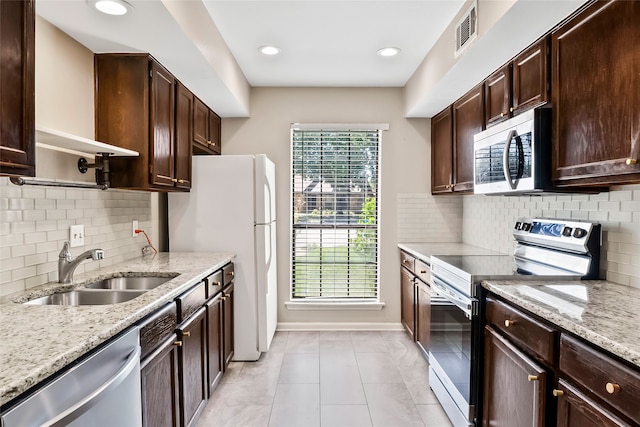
[65, 142]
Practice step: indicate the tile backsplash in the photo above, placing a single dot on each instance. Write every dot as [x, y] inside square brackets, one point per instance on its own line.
[487, 222]
[35, 221]
[425, 218]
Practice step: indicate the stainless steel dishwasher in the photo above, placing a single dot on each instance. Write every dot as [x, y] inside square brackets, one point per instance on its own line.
[102, 390]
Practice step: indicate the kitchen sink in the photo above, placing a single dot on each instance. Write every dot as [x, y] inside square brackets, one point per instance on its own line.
[123, 283]
[87, 297]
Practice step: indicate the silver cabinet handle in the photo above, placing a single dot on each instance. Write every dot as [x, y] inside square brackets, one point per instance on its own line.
[98, 394]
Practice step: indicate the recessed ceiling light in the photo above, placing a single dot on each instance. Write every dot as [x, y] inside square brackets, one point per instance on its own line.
[112, 7]
[269, 50]
[388, 51]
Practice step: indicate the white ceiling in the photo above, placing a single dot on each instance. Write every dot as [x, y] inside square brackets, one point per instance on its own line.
[326, 43]
[331, 42]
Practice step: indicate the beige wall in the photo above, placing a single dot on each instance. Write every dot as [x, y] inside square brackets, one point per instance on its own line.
[405, 167]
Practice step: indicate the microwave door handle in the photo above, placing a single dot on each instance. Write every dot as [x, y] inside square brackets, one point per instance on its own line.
[505, 159]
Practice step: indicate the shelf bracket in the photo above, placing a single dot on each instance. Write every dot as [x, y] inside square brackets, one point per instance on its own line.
[101, 166]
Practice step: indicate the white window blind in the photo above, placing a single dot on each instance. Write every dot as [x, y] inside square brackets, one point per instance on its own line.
[335, 214]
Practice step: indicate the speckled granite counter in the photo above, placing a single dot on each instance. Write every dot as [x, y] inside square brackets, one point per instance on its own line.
[601, 312]
[39, 340]
[424, 251]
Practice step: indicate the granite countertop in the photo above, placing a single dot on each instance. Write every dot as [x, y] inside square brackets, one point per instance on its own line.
[39, 340]
[601, 312]
[424, 251]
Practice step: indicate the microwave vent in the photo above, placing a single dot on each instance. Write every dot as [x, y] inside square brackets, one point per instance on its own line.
[467, 28]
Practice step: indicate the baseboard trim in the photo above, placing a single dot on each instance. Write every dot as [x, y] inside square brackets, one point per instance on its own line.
[338, 326]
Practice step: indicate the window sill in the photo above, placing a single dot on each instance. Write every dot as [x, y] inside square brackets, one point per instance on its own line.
[334, 305]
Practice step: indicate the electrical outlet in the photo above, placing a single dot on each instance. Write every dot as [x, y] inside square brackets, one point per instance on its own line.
[76, 235]
[135, 227]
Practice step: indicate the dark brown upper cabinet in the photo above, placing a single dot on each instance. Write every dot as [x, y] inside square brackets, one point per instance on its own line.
[442, 152]
[468, 119]
[596, 95]
[497, 92]
[206, 129]
[17, 85]
[183, 135]
[531, 77]
[136, 102]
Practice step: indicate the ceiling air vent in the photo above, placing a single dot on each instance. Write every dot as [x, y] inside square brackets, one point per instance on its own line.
[467, 28]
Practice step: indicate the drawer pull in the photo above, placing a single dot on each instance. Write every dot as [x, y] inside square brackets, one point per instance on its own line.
[230, 273]
[177, 343]
[631, 162]
[508, 323]
[557, 393]
[404, 261]
[227, 295]
[613, 388]
[216, 283]
[186, 334]
[423, 271]
[532, 378]
[174, 180]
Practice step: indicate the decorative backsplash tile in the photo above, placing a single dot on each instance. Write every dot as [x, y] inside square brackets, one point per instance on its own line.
[487, 222]
[35, 221]
[425, 218]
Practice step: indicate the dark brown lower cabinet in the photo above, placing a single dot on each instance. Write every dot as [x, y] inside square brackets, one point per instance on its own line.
[193, 366]
[215, 343]
[423, 315]
[577, 410]
[159, 377]
[227, 324]
[407, 301]
[514, 385]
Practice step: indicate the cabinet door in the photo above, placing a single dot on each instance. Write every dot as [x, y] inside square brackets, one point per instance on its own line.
[193, 366]
[442, 152]
[514, 385]
[423, 316]
[183, 136]
[468, 119]
[531, 77]
[161, 126]
[497, 96]
[159, 379]
[215, 342]
[200, 125]
[596, 95]
[214, 132]
[17, 83]
[577, 410]
[407, 292]
[227, 326]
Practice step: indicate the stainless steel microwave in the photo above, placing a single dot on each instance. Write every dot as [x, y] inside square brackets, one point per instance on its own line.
[514, 157]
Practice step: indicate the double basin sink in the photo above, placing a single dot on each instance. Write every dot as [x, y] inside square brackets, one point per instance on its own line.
[106, 291]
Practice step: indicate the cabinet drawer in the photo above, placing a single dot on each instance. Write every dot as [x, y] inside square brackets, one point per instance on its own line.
[423, 271]
[610, 380]
[531, 334]
[214, 284]
[228, 273]
[191, 301]
[155, 329]
[407, 261]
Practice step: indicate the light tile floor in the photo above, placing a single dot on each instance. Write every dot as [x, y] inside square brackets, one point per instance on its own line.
[329, 379]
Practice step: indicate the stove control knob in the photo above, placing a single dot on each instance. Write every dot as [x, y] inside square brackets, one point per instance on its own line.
[518, 225]
[566, 232]
[579, 233]
[526, 226]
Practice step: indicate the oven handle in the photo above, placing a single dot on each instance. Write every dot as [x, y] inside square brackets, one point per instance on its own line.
[505, 158]
[463, 303]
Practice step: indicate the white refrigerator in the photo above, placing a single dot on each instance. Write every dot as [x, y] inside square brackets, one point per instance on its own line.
[231, 208]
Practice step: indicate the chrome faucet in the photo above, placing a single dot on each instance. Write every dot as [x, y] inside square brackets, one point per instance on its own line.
[67, 265]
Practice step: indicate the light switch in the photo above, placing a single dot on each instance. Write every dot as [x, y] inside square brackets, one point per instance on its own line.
[76, 235]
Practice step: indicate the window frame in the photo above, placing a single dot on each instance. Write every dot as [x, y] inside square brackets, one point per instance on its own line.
[331, 303]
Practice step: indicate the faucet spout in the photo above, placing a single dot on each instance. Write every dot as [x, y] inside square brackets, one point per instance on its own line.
[67, 265]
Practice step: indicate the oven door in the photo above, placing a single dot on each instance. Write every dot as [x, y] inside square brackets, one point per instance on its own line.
[453, 353]
[503, 157]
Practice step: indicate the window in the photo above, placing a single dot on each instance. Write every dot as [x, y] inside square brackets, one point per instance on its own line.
[335, 200]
